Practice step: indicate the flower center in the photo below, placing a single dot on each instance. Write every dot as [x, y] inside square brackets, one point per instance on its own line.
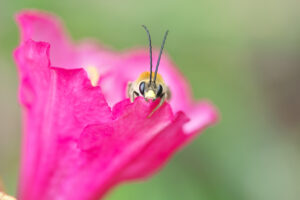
[93, 74]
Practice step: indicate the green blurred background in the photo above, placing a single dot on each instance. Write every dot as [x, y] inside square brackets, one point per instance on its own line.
[243, 55]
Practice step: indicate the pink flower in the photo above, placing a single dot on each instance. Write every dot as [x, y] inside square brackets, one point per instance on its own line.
[81, 135]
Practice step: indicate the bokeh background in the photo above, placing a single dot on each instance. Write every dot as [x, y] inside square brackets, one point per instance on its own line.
[243, 55]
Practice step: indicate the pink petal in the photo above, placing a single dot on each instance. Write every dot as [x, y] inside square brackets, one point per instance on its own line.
[132, 131]
[156, 153]
[41, 26]
[168, 141]
[61, 104]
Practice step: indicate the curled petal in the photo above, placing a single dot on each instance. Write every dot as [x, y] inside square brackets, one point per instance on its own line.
[98, 165]
[64, 103]
[158, 150]
[41, 26]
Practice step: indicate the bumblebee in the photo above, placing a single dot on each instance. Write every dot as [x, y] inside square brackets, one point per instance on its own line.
[150, 85]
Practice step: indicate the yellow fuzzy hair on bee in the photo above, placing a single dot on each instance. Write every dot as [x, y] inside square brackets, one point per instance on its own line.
[146, 75]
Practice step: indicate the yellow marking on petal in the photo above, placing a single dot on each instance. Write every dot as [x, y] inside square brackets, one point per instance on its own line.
[146, 76]
[93, 74]
[150, 94]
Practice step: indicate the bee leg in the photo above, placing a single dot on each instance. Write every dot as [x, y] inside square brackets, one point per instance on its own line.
[131, 97]
[162, 100]
[129, 92]
[168, 93]
[128, 88]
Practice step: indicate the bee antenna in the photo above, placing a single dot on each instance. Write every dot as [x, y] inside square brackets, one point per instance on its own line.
[150, 49]
[159, 56]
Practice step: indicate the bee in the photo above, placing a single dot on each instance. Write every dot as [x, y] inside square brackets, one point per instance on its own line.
[150, 85]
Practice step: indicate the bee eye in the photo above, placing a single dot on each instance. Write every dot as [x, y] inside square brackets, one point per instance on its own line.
[159, 91]
[142, 87]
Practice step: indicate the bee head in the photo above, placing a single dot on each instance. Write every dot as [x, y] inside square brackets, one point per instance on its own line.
[150, 90]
